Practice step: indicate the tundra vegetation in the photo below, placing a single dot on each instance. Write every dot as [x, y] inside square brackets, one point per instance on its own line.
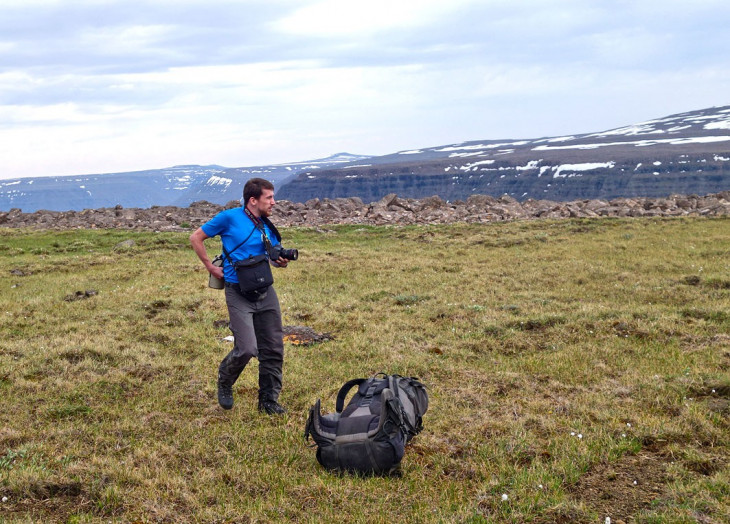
[577, 370]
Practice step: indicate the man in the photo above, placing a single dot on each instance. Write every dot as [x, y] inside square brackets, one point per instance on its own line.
[255, 320]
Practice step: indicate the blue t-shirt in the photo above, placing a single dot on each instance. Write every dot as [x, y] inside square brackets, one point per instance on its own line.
[234, 226]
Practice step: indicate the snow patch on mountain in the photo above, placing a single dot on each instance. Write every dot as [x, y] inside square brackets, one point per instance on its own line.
[473, 166]
[720, 124]
[588, 166]
[639, 143]
[533, 164]
[465, 155]
[219, 181]
[638, 129]
[462, 148]
[180, 183]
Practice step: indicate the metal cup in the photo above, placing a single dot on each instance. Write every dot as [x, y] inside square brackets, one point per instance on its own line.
[216, 283]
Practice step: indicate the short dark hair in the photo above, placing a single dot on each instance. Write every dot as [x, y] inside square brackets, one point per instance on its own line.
[254, 187]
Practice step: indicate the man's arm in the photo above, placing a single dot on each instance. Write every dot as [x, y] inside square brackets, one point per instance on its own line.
[196, 240]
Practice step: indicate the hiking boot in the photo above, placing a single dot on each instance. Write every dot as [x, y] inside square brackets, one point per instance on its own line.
[225, 394]
[271, 407]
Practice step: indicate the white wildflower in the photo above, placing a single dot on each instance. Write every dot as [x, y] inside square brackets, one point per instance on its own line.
[505, 498]
[580, 435]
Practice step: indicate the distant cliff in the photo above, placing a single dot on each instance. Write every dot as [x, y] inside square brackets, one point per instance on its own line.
[680, 154]
[422, 180]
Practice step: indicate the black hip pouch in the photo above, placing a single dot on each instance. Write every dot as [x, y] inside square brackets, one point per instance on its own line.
[254, 274]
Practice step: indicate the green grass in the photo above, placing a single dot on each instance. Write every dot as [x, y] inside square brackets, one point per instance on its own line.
[550, 349]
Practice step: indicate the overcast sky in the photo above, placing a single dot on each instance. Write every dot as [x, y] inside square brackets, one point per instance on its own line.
[94, 86]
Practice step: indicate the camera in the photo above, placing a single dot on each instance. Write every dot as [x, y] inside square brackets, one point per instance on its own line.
[277, 251]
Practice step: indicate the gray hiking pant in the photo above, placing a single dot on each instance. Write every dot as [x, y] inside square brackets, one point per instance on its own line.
[257, 332]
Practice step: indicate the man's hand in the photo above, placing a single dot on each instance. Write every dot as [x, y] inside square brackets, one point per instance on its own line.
[216, 271]
[280, 262]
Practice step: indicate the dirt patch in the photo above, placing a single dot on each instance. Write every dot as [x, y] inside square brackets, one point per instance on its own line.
[715, 396]
[621, 489]
[304, 336]
[44, 501]
[81, 295]
[156, 307]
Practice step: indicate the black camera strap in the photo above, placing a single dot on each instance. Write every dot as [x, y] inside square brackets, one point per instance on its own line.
[258, 220]
[259, 223]
[272, 227]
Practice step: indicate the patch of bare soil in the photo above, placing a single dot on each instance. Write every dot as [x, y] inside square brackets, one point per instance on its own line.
[81, 295]
[621, 489]
[45, 502]
[304, 335]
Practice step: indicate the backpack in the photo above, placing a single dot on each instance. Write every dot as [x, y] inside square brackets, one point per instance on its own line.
[369, 435]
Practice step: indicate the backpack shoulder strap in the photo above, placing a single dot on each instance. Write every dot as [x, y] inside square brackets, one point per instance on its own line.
[344, 390]
[239, 245]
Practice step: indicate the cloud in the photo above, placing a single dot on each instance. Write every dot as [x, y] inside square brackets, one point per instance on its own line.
[95, 86]
[329, 19]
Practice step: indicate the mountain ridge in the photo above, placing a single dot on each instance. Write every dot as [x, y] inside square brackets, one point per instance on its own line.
[179, 185]
[685, 153]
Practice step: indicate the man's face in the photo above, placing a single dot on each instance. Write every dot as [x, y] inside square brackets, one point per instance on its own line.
[264, 204]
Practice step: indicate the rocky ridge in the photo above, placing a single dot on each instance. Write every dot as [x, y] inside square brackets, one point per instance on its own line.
[390, 210]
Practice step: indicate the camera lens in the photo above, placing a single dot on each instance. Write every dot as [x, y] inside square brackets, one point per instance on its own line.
[290, 254]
